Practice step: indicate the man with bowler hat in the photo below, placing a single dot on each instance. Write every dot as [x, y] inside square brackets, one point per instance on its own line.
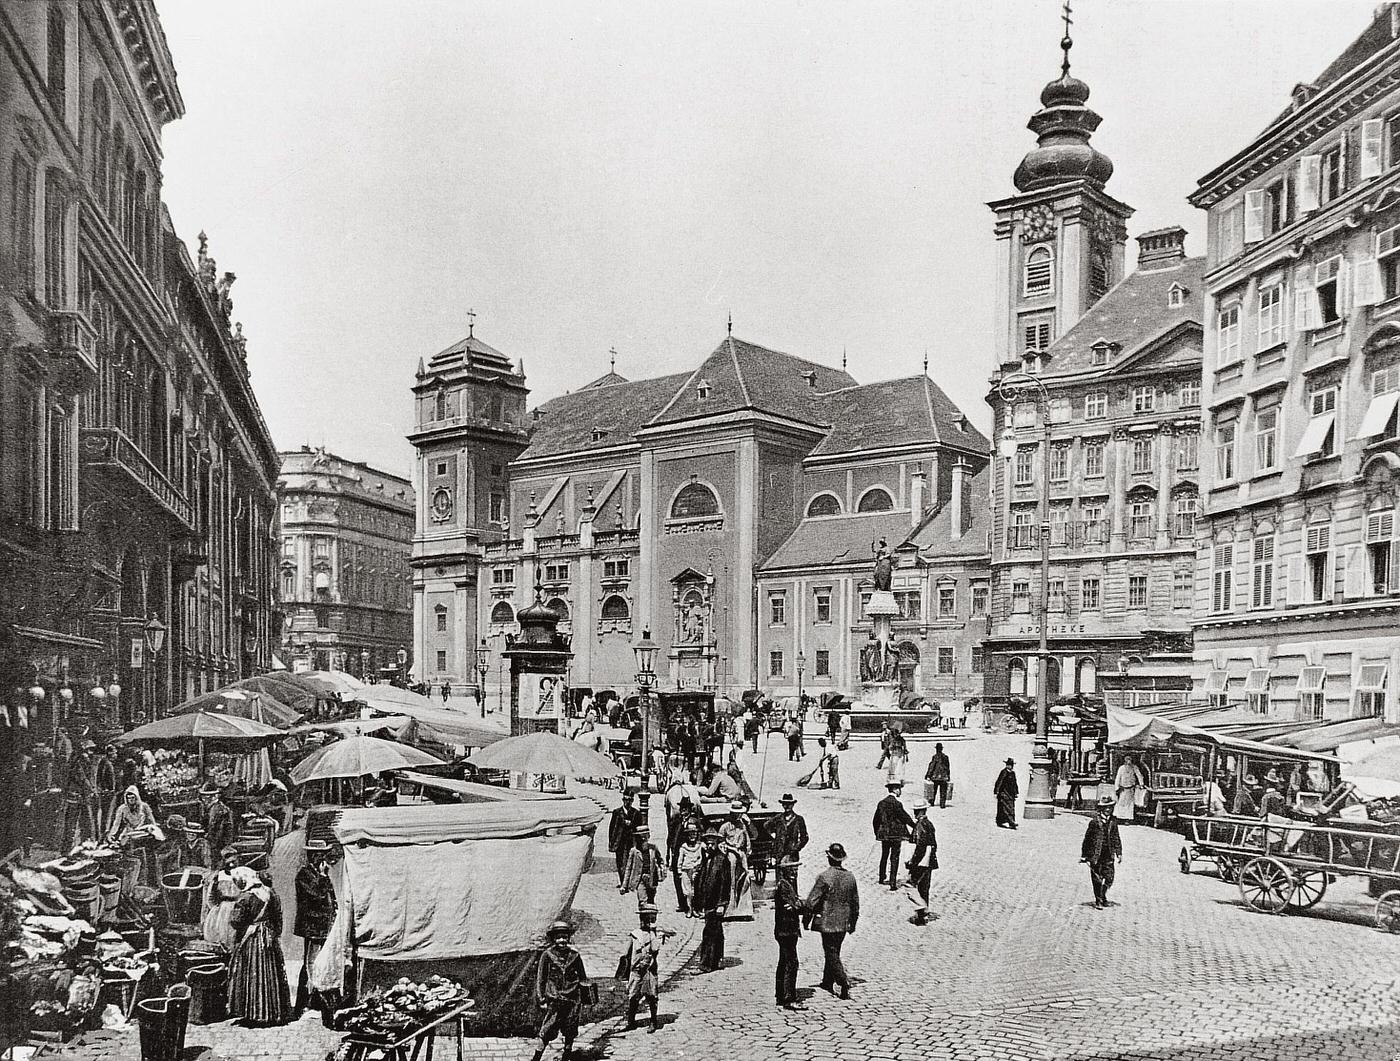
[833, 909]
[560, 987]
[790, 830]
[644, 868]
[891, 824]
[938, 776]
[787, 928]
[315, 913]
[1006, 790]
[621, 826]
[1102, 849]
[713, 891]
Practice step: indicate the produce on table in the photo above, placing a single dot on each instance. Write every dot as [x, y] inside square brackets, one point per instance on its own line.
[403, 1005]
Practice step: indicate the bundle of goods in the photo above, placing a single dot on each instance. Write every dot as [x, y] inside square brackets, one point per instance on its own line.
[1384, 811]
[394, 1012]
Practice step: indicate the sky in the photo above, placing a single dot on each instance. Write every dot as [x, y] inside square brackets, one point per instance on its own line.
[591, 175]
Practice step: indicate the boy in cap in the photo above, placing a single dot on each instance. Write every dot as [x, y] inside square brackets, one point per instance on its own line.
[1102, 849]
[923, 861]
[643, 956]
[560, 982]
[833, 909]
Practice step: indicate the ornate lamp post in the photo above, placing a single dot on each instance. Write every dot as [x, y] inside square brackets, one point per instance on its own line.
[645, 652]
[801, 666]
[1016, 389]
[155, 641]
[483, 664]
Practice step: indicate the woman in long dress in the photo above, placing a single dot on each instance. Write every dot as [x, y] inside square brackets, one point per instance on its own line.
[898, 756]
[258, 992]
[220, 895]
[1127, 784]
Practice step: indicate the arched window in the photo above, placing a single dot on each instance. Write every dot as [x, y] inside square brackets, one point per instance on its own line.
[440, 618]
[876, 499]
[1040, 271]
[694, 501]
[615, 608]
[289, 585]
[1088, 676]
[22, 220]
[55, 242]
[58, 60]
[559, 608]
[823, 505]
[502, 613]
[1016, 671]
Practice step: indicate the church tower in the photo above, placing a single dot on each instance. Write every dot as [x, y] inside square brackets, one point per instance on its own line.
[1060, 239]
[469, 424]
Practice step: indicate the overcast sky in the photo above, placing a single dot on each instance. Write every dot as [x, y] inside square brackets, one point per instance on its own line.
[589, 175]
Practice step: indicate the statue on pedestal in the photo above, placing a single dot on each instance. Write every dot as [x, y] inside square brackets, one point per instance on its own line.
[884, 565]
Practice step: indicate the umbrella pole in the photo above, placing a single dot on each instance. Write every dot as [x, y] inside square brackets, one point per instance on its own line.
[201, 758]
[763, 767]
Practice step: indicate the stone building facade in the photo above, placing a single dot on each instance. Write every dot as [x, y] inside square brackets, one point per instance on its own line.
[137, 472]
[653, 504]
[1119, 361]
[344, 579]
[1298, 573]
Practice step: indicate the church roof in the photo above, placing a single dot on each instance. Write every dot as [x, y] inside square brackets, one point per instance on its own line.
[892, 413]
[608, 380]
[569, 423]
[470, 351]
[1133, 314]
[839, 539]
[935, 537]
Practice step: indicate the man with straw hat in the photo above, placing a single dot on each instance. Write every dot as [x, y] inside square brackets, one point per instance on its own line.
[560, 986]
[787, 929]
[923, 861]
[1102, 850]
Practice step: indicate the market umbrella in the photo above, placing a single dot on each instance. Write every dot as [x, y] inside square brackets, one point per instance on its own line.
[388, 697]
[244, 704]
[401, 727]
[206, 727]
[303, 683]
[357, 756]
[338, 680]
[544, 753]
[298, 697]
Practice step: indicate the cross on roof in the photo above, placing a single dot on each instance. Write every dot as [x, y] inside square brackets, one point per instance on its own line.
[612, 359]
[471, 322]
[1066, 43]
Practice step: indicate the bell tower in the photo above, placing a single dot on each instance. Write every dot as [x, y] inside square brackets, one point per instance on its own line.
[469, 424]
[1060, 239]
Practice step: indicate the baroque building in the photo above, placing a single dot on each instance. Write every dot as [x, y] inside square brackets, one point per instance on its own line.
[344, 578]
[1111, 437]
[660, 504]
[136, 548]
[1298, 572]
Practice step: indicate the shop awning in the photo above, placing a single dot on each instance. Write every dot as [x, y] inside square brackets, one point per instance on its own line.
[1378, 414]
[1330, 737]
[1217, 680]
[1315, 435]
[1132, 729]
[1311, 679]
[1257, 681]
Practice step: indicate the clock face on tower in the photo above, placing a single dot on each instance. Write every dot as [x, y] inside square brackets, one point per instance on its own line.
[442, 505]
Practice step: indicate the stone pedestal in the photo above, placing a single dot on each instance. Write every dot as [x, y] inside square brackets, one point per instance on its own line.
[882, 692]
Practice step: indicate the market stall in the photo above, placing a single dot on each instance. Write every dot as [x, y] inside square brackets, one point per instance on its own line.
[461, 890]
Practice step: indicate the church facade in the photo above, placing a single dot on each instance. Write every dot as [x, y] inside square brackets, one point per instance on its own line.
[672, 505]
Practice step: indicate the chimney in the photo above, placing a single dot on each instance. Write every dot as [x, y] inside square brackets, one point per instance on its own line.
[957, 503]
[1162, 247]
[916, 496]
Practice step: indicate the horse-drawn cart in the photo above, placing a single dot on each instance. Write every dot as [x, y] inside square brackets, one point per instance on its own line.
[1282, 865]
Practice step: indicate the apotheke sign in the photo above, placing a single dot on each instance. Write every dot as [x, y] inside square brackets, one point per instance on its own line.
[1054, 629]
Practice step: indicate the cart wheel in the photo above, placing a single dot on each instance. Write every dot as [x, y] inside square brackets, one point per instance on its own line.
[1266, 885]
[1226, 867]
[1388, 912]
[1184, 859]
[1309, 886]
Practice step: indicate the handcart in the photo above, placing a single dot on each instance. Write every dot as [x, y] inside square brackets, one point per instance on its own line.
[1281, 865]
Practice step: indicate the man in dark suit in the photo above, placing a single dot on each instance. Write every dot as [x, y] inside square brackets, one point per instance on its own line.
[833, 909]
[923, 861]
[713, 888]
[787, 929]
[892, 825]
[1102, 850]
[938, 775]
[621, 828]
[1006, 789]
[315, 913]
[219, 827]
[790, 830]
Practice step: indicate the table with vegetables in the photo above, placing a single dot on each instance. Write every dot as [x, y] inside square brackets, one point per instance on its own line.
[401, 1022]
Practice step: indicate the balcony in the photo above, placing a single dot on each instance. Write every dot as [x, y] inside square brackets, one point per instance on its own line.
[73, 341]
[109, 448]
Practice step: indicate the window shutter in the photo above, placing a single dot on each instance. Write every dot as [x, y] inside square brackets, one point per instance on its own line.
[1343, 289]
[1372, 147]
[1309, 182]
[1305, 312]
[1319, 539]
[1392, 577]
[1366, 287]
[1254, 215]
[1354, 578]
[1293, 581]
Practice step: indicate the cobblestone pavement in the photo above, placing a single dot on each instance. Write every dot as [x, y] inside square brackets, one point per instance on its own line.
[1018, 964]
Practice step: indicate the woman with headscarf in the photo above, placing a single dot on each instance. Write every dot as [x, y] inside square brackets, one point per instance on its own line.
[133, 815]
[219, 897]
[258, 992]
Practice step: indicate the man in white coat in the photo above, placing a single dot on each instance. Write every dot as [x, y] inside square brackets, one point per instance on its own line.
[1129, 790]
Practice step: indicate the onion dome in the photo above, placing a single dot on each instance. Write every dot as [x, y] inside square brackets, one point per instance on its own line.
[1063, 127]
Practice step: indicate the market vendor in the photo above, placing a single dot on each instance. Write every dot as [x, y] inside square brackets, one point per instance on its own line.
[315, 912]
[184, 847]
[219, 827]
[133, 819]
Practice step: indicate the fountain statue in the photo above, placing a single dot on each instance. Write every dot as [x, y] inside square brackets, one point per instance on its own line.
[878, 662]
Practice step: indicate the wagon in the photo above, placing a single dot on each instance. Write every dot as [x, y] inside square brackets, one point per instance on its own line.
[1281, 865]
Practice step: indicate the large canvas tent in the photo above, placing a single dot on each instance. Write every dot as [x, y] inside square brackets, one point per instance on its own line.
[465, 890]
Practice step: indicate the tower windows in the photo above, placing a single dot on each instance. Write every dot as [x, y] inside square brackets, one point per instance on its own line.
[824, 505]
[876, 499]
[694, 501]
[1039, 278]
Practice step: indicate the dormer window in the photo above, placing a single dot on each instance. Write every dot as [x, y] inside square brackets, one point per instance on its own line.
[1100, 352]
[599, 433]
[702, 390]
[1176, 296]
[811, 378]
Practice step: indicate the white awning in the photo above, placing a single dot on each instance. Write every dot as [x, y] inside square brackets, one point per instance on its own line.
[1216, 681]
[1310, 679]
[1372, 678]
[1378, 414]
[1315, 435]
[1257, 681]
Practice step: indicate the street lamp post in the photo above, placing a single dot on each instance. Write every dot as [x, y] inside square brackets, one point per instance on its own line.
[483, 664]
[801, 666]
[155, 641]
[645, 652]
[1015, 389]
[364, 663]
